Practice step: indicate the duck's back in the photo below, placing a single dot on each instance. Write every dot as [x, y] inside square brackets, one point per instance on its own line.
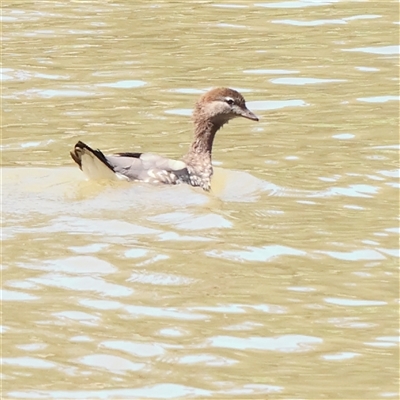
[149, 167]
[146, 167]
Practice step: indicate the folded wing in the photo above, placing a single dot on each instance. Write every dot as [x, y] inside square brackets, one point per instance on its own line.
[146, 167]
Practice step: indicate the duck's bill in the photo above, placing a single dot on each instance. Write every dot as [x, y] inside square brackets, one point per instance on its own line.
[249, 115]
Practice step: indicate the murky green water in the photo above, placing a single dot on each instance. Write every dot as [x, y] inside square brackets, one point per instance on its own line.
[281, 283]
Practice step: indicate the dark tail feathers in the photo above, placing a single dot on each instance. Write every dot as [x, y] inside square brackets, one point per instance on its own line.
[81, 147]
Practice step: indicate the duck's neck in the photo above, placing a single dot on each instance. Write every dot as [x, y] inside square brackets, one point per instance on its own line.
[198, 158]
[204, 133]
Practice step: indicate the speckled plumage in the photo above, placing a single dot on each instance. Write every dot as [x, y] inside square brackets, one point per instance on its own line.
[214, 109]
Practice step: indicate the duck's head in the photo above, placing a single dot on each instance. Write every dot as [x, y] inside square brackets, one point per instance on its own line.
[220, 105]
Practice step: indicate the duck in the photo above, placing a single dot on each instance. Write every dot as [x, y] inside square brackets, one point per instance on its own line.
[213, 110]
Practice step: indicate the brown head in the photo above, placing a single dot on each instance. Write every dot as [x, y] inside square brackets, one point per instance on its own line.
[220, 105]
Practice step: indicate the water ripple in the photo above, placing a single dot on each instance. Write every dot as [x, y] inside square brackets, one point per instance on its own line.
[188, 221]
[110, 362]
[356, 255]
[28, 362]
[206, 359]
[354, 302]
[84, 284]
[257, 253]
[74, 265]
[128, 84]
[270, 71]
[379, 99]
[308, 23]
[264, 105]
[163, 312]
[137, 349]
[160, 279]
[285, 343]
[341, 356]
[297, 4]
[304, 81]
[82, 317]
[158, 391]
[243, 308]
[384, 50]
[13, 295]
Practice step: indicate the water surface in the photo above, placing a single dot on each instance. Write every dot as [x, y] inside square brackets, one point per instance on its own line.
[280, 283]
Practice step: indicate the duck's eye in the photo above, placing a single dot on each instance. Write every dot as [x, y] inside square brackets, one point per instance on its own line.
[230, 101]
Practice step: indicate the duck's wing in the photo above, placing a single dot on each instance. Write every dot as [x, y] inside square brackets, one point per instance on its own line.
[146, 167]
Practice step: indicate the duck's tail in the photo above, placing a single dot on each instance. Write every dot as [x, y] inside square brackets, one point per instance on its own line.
[93, 163]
